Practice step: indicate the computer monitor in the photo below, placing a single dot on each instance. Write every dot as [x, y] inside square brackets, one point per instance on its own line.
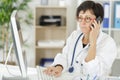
[17, 43]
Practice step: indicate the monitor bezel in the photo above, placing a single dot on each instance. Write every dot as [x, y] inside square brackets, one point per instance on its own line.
[17, 44]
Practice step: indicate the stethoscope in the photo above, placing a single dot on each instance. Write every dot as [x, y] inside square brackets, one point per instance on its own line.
[71, 68]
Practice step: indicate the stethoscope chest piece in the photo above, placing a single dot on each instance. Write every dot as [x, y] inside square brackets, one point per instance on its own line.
[71, 69]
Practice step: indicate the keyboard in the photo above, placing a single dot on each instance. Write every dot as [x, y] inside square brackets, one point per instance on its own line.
[64, 76]
[42, 75]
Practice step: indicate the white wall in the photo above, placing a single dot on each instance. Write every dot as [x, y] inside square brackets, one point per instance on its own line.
[29, 34]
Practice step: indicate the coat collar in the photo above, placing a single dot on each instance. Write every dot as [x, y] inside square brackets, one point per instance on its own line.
[98, 39]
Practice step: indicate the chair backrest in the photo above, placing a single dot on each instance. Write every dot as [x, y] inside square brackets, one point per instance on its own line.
[115, 71]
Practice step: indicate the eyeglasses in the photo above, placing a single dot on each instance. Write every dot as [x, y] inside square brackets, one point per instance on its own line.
[86, 19]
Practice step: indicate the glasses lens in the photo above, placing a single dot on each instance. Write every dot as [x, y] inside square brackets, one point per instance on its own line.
[87, 19]
[80, 19]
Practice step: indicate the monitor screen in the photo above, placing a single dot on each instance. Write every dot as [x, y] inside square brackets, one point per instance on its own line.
[17, 42]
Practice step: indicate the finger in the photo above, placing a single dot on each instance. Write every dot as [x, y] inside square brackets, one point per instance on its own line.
[94, 24]
[53, 73]
[97, 23]
[50, 70]
[57, 74]
[91, 27]
[46, 71]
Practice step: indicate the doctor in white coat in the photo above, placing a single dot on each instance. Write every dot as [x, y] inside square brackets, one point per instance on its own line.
[88, 50]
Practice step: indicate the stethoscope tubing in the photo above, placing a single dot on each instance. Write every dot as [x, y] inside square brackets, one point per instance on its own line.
[71, 68]
[75, 48]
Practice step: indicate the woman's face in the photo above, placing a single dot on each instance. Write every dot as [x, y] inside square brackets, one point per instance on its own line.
[85, 20]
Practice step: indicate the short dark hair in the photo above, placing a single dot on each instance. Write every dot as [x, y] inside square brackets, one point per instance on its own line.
[96, 8]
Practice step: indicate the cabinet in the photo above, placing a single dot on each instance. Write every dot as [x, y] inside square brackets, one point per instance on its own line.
[112, 30]
[49, 39]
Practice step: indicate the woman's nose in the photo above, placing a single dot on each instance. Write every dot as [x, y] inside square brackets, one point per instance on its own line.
[83, 21]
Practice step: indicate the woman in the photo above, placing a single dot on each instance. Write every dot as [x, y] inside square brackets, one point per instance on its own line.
[88, 50]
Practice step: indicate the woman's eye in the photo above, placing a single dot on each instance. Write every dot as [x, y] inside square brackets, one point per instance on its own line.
[88, 19]
[80, 18]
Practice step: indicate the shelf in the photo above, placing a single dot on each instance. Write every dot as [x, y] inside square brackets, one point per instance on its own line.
[49, 27]
[112, 29]
[38, 47]
[105, 29]
[49, 40]
[49, 7]
[115, 29]
[51, 43]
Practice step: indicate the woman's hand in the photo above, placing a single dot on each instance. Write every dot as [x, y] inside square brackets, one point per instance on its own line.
[94, 32]
[92, 40]
[54, 71]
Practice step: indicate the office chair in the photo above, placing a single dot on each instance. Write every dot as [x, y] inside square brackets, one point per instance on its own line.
[115, 71]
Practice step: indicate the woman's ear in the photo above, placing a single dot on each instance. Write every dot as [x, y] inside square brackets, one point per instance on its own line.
[77, 18]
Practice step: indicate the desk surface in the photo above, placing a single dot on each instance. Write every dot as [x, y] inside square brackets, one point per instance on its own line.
[32, 73]
[14, 71]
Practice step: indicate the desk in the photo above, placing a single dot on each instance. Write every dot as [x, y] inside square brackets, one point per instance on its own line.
[15, 71]
[32, 73]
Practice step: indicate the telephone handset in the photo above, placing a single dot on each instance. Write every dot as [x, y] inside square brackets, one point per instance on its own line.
[98, 19]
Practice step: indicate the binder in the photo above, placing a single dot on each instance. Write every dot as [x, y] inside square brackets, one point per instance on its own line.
[106, 15]
[117, 15]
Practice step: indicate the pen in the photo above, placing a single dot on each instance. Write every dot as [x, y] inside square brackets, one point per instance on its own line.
[95, 77]
[88, 77]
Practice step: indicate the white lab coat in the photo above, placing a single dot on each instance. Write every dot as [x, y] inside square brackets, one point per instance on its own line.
[105, 55]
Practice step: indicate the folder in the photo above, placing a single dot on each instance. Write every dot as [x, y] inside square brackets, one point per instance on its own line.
[117, 15]
[106, 15]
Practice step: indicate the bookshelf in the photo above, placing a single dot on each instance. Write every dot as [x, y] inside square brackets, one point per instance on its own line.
[112, 30]
[49, 39]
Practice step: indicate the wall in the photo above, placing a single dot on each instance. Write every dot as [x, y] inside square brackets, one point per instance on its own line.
[28, 35]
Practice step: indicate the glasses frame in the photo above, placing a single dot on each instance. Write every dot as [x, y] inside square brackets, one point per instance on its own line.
[85, 19]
